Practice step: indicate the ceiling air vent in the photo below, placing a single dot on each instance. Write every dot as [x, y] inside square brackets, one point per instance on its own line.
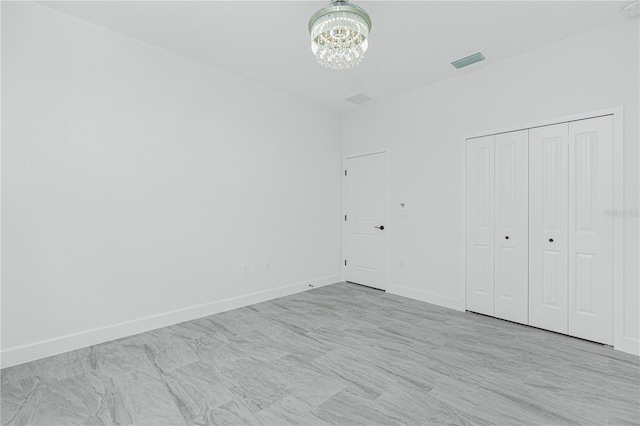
[472, 59]
[358, 99]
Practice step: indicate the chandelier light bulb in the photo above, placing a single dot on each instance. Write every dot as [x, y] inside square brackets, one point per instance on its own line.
[340, 35]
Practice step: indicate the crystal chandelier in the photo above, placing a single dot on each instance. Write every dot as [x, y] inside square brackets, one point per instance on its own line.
[339, 35]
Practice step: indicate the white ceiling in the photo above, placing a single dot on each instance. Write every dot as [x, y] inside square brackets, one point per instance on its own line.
[412, 43]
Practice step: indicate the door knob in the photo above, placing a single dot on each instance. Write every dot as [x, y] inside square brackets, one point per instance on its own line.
[381, 227]
[506, 237]
[550, 240]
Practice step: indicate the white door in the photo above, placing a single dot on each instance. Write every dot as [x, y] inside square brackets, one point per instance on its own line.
[511, 226]
[480, 225]
[590, 229]
[366, 220]
[548, 203]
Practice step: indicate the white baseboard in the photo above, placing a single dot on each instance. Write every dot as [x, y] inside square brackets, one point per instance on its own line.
[630, 345]
[55, 346]
[427, 296]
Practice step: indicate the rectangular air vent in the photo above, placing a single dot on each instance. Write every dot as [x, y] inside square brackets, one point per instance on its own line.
[358, 99]
[472, 59]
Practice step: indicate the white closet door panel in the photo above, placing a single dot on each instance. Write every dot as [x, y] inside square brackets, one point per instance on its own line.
[590, 229]
[511, 226]
[548, 242]
[480, 225]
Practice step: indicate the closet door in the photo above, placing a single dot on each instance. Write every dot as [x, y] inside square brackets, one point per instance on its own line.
[590, 229]
[548, 242]
[511, 226]
[480, 227]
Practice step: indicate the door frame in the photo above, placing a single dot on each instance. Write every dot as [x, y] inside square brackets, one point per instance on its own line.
[346, 157]
[620, 342]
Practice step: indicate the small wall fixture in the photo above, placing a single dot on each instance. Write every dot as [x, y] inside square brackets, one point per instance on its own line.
[471, 59]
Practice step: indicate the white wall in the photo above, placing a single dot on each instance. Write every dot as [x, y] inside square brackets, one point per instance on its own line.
[135, 183]
[423, 132]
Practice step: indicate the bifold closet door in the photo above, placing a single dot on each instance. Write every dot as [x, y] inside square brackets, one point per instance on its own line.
[511, 226]
[590, 229]
[480, 225]
[548, 236]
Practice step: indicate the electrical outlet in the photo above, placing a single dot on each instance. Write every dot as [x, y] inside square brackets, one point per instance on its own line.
[267, 266]
[245, 268]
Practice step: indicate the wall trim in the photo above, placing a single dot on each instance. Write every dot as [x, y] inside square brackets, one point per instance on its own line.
[427, 296]
[630, 345]
[45, 348]
[548, 122]
[364, 153]
[619, 339]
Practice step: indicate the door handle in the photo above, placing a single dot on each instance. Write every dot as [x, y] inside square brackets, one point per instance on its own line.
[381, 227]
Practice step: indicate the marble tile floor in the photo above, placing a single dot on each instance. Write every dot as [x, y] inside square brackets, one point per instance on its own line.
[342, 354]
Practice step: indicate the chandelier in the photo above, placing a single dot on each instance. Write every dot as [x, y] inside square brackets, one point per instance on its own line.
[339, 35]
